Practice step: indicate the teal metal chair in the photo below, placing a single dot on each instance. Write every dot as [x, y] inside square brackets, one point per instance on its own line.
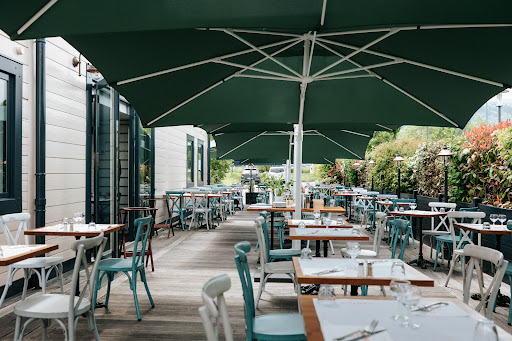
[176, 204]
[402, 231]
[135, 265]
[280, 254]
[264, 327]
[392, 231]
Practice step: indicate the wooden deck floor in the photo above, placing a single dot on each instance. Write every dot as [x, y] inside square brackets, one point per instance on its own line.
[182, 264]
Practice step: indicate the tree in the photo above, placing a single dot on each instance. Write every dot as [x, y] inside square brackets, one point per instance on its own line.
[219, 169]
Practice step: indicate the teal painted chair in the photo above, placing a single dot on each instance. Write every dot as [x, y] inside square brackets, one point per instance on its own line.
[176, 204]
[391, 222]
[264, 327]
[134, 266]
[280, 254]
[402, 232]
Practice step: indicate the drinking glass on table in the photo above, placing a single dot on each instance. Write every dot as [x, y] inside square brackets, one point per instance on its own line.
[326, 293]
[485, 330]
[77, 217]
[356, 231]
[398, 269]
[92, 225]
[410, 300]
[398, 289]
[353, 249]
[316, 215]
[413, 206]
[306, 253]
[493, 218]
[502, 218]
[327, 221]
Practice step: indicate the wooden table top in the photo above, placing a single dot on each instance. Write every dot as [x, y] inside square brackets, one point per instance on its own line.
[331, 236]
[479, 228]
[293, 223]
[412, 275]
[34, 251]
[79, 230]
[417, 213]
[314, 330]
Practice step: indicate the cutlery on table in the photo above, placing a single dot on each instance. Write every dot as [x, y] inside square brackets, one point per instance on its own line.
[367, 335]
[325, 272]
[431, 306]
[369, 329]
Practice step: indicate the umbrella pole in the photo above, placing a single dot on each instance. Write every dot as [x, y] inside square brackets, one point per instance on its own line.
[297, 173]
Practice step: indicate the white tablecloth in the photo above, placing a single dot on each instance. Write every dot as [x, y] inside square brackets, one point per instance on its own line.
[341, 232]
[7, 251]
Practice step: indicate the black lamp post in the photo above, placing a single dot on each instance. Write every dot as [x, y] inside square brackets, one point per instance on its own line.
[398, 159]
[371, 164]
[446, 154]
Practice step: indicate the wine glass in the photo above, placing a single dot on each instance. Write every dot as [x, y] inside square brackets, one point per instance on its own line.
[493, 218]
[327, 221]
[485, 330]
[302, 225]
[398, 289]
[356, 231]
[316, 215]
[398, 269]
[413, 206]
[410, 300]
[353, 249]
[502, 218]
[76, 218]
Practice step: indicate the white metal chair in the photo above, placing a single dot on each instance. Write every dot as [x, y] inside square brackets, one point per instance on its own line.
[41, 266]
[215, 308]
[200, 208]
[269, 269]
[476, 255]
[56, 307]
[458, 242]
[442, 227]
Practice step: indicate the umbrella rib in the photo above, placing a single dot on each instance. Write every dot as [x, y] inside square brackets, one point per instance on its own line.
[206, 61]
[214, 130]
[412, 62]
[326, 159]
[271, 33]
[361, 49]
[322, 17]
[245, 67]
[36, 16]
[344, 77]
[354, 132]
[338, 144]
[311, 53]
[219, 83]
[362, 68]
[243, 75]
[383, 126]
[231, 33]
[232, 150]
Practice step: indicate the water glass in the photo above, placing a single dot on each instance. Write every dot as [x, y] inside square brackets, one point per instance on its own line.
[327, 221]
[306, 253]
[398, 289]
[493, 218]
[485, 330]
[353, 249]
[401, 209]
[302, 225]
[487, 226]
[65, 222]
[410, 300]
[326, 293]
[413, 206]
[442, 210]
[502, 218]
[77, 217]
[398, 269]
[356, 231]
[339, 221]
[92, 225]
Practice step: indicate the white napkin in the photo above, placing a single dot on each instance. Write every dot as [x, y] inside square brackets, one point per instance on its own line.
[332, 331]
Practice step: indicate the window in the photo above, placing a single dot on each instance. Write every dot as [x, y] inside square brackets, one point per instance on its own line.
[200, 154]
[190, 161]
[10, 135]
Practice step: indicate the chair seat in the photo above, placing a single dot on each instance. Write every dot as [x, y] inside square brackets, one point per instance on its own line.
[284, 253]
[282, 326]
[115, 264]
[364, 253]
[49, 306]
[279, 267]
[38, 262]
[448, 239]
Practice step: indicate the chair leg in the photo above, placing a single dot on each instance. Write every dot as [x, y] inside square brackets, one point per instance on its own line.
[439, 247]
[110, 278]
[61, 277]
[26, 277]
[6, 287]
[45, 324]
[262, 287]
[92, 324]
[134, 289]
[143, 278]
[452, 265]
[510, 307]
[43, 281]
[332, 247]
[17, 329]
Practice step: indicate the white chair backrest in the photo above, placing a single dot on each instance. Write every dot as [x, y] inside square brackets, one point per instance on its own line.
[81, 246]
[262, 242]
[215, 308]
[22, 218]
[469, 217]
[380, 223]
[436, 206]
[478, 254]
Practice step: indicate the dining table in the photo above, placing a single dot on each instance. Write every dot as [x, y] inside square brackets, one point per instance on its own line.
[10, 254]
[325, 235]
[343, 271]
[479, 229]
[419, 215]
[310, 223]
[332, 319]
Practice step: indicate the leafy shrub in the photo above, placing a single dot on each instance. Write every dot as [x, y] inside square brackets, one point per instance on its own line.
[219, 169]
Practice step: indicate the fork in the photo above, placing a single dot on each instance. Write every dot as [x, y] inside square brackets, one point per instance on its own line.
[324, 272]
[369, 329]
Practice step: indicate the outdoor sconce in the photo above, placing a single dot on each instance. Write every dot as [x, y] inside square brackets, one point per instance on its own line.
[446, 154]
[398, 159]
[371, 164]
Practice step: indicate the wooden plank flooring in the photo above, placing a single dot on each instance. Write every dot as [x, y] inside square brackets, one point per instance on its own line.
[182, 264]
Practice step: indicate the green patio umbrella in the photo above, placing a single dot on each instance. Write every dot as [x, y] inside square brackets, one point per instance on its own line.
[322, 147]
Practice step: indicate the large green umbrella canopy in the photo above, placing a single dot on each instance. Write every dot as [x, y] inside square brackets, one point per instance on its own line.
[356, 63]
[323, 146]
